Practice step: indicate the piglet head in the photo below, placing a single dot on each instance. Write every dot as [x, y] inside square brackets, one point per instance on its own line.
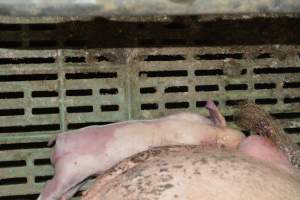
[229, 138]
[226, 137]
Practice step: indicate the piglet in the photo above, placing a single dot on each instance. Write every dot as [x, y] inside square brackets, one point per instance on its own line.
[92, 150]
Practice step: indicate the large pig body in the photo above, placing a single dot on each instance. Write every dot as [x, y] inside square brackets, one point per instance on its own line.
[260, 167]
[193, 173]
[92, 150]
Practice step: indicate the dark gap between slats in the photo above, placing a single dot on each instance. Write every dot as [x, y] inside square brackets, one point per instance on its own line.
[33, 60]
[102, 58]
[229, 118]
[208, 72]
[12, 112]
[20, 197]
[263, 56]
[219, 56]
[81, 125]
[27, 77]
[108, 91]
[10, 27]
[12, 163]
[148, 90]
[44, 94]
[234, 102]
[140, 25]
[236, 87]
[290, 115]
[176, 89]
[266, 101]
[74, 59]
[10, 44]
[11, 95]
[109, 108]
[42, 43]
[74, 43]
[42, 161]
[174, 41]
[292, 130]
[291, 84]
[42, 27]
[206, 88]
[13, 181]
[291, 100]
[147, 42]
[260, 86]
[175, 26]
[79, 109]
[40, 111]
[243, 71]
[280, 70]
[164, 58]
[29, 128]
[42, 179]
[171, 73]
[82, 92]
[29, 145]
[91, 75]
[176, 105]
[149, 106]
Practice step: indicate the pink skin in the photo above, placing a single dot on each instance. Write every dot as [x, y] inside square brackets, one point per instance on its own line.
[92, 150]
[264, 149]
[68, 169]
[255, 146]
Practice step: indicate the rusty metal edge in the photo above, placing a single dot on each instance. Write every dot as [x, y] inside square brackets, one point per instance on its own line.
[39, 11]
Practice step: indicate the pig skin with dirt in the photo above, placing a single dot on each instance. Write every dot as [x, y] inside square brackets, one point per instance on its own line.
[263, 166]
[253, 117]
[92, 150]
[194, 173]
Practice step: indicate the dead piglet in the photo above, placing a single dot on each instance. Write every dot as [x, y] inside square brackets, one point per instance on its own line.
[92, 150]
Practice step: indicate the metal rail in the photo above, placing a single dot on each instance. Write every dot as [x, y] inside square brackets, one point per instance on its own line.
[143, 7]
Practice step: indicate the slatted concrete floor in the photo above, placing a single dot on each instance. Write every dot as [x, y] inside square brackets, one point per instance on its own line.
[45, 91]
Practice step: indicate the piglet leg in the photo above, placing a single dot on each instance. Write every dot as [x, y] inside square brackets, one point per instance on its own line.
[67, 176]
[215, 114]
[70, 193]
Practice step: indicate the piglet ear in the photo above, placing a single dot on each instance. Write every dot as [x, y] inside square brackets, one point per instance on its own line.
[215, 114]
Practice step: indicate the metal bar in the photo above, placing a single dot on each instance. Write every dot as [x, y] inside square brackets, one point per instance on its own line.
[142, 7]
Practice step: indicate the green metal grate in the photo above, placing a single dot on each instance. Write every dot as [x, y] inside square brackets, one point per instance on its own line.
[50, 87]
